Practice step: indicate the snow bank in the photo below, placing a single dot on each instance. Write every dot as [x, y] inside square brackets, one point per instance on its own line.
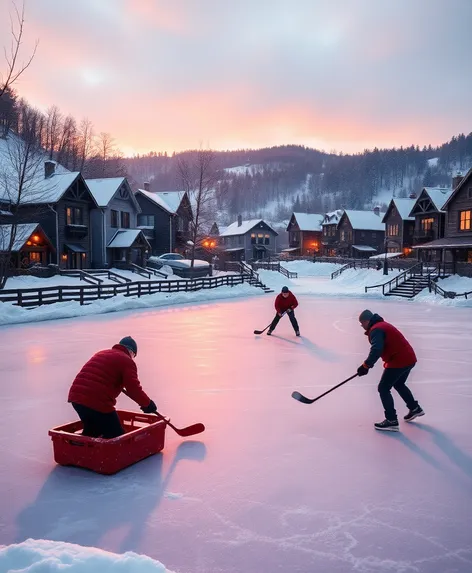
[453, 283]
[309, 269]
[11, 314]
[33, 556]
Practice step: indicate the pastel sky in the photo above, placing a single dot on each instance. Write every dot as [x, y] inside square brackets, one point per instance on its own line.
[178, 74]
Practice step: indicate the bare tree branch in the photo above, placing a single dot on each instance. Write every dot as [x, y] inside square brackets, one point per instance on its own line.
[15, 70]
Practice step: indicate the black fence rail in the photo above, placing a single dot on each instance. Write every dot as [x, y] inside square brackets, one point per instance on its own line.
[85, 294]
[274, 266]
[434, 287]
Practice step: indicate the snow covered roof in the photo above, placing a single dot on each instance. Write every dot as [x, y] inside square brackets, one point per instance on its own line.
[387, 255]
[246, 226]
[124, 239]
[365, 220]
[332, 217]
[438, 195]
[23, 233]
[456, 190]
[169, 200]
[173, 199]
[404, 207]
[309, 221]
[104, 189]
[37, 189]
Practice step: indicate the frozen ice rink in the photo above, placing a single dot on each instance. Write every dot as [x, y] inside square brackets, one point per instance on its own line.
[272, 485]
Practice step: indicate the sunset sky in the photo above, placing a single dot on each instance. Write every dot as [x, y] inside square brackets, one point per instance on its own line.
[178, 74]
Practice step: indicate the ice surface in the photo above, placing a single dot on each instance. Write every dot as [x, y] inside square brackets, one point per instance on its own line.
[272, 485]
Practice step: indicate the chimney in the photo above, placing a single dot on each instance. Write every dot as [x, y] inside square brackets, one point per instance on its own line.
[147, 186]
[457, 179]
[377, 211]
[49, 168]
[412, 196]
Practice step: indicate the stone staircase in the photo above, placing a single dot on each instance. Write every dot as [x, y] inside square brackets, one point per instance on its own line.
[410, 287]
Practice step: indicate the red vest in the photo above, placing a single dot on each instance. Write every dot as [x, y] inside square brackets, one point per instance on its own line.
[397, 352]
[282, 304]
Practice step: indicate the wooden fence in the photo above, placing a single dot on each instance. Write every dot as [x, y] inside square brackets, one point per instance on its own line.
[88, 293]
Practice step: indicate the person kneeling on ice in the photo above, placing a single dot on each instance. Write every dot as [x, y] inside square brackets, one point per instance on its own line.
[399, 358]
[101, 380]
[285, 302]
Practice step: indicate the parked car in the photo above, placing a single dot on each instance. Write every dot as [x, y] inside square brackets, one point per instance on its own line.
[180, 265]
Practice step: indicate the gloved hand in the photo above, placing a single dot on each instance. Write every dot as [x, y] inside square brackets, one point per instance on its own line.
[289, 309]
[151, 409]
[280, 314]
[362, 370]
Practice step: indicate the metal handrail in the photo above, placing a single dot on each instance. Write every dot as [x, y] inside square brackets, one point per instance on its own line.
[401, 277]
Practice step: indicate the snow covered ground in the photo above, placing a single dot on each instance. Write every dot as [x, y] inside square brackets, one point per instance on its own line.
[272, 485]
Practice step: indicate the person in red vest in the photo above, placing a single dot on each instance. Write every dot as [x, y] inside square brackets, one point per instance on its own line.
[101, 380]
[388, 343]
[285, 302]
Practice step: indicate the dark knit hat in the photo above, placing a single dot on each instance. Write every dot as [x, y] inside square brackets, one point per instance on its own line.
[129, 343]
[365, 315]
[285, 289]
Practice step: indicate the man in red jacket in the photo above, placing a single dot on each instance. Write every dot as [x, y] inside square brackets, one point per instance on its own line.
[285, 302]
[96, 387]
[399, 358]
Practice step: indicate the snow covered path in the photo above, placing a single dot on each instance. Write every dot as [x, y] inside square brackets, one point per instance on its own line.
[272, 485]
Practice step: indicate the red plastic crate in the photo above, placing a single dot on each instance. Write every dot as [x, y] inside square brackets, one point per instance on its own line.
[144, 437]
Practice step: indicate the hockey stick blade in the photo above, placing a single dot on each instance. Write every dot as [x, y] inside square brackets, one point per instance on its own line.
[304, 400]
[259, 331]
[301, 398]
[189, 430]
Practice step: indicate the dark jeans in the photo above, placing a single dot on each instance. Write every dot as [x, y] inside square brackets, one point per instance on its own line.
[395, 378]
[97, 424]
[292, 318]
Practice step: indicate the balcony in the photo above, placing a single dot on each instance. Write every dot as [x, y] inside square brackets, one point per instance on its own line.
[420, 237]
[74, 231]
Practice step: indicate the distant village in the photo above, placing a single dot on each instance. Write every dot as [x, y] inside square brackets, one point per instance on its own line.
[79, 223]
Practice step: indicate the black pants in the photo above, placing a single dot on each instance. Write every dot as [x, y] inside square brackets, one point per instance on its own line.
[97, 424]
[292, 318]
[395, 378]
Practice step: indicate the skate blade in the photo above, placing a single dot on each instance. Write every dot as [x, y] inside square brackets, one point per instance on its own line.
[391, 429]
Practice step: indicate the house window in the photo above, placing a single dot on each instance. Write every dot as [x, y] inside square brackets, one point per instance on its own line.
[469, 256]
[464, 220]
[253, 238]
[427, 224]
[362, 235]
[393, 230]
[240, 240]
[124, 220]
[266, 239]
[374, 235]
[145, 220]
[343, 235]
[34, 257]
[180, 224]
[260, 239]
[469, 193]
[74, 216]
[115, 223]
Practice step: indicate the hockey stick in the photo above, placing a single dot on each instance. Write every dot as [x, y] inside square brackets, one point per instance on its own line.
[184, 432]
[305, 400]
[262, 331]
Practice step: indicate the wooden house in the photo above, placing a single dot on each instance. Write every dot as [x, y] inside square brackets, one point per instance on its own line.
[165, 219]
[399, 226]
[304, 234]
[361, 233]
[248, 240]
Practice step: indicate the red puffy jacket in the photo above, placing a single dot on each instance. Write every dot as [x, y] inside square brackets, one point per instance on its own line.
[397, 352]
[104, 377]
[282, 303]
